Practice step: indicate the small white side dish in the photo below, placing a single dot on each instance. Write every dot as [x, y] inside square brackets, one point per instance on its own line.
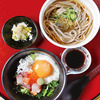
[84, 67]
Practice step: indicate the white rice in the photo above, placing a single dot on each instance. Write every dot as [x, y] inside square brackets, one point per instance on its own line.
[25, 65]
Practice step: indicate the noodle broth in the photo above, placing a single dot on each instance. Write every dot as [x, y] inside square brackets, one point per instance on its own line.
[67, 22]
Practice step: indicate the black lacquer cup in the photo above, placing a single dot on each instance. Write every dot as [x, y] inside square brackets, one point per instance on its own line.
[7, 33]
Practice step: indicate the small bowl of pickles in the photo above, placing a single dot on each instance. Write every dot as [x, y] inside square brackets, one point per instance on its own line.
[19, 32]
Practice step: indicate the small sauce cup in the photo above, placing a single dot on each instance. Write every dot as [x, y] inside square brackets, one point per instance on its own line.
[86, 64]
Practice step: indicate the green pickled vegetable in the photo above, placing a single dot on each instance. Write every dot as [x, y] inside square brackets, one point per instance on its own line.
[48, 89]
[50, 92]
[14, 37]
[15, 75]
[45, 91]
[54, 83]
[33, 56]
[71, 14]
[24, 90]
[40, 81]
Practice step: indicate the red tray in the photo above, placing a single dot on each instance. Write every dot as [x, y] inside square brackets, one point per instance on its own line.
[31, 9]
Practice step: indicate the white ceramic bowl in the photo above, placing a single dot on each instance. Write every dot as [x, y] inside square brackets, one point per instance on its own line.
[96, 23]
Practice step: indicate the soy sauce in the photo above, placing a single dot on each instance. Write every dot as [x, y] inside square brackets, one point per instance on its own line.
[75, 59]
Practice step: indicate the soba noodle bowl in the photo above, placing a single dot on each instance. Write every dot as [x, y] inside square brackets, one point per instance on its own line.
[67, 21]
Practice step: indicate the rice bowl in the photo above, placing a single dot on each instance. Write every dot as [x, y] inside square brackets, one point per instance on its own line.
[8, 74]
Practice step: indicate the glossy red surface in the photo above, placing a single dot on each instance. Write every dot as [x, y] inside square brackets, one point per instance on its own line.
[31, 9]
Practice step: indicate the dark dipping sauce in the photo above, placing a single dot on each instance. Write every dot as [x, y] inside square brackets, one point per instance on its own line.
[75, 59]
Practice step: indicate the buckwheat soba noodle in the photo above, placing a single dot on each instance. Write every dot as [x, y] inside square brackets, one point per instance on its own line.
[67, 22]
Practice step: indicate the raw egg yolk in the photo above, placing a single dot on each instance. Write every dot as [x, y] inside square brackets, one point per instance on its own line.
[42, 68]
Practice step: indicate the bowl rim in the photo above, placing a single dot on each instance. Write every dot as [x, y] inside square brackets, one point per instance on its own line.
[27, 45]
[66, 46]
[73, 71]
[34, 49]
